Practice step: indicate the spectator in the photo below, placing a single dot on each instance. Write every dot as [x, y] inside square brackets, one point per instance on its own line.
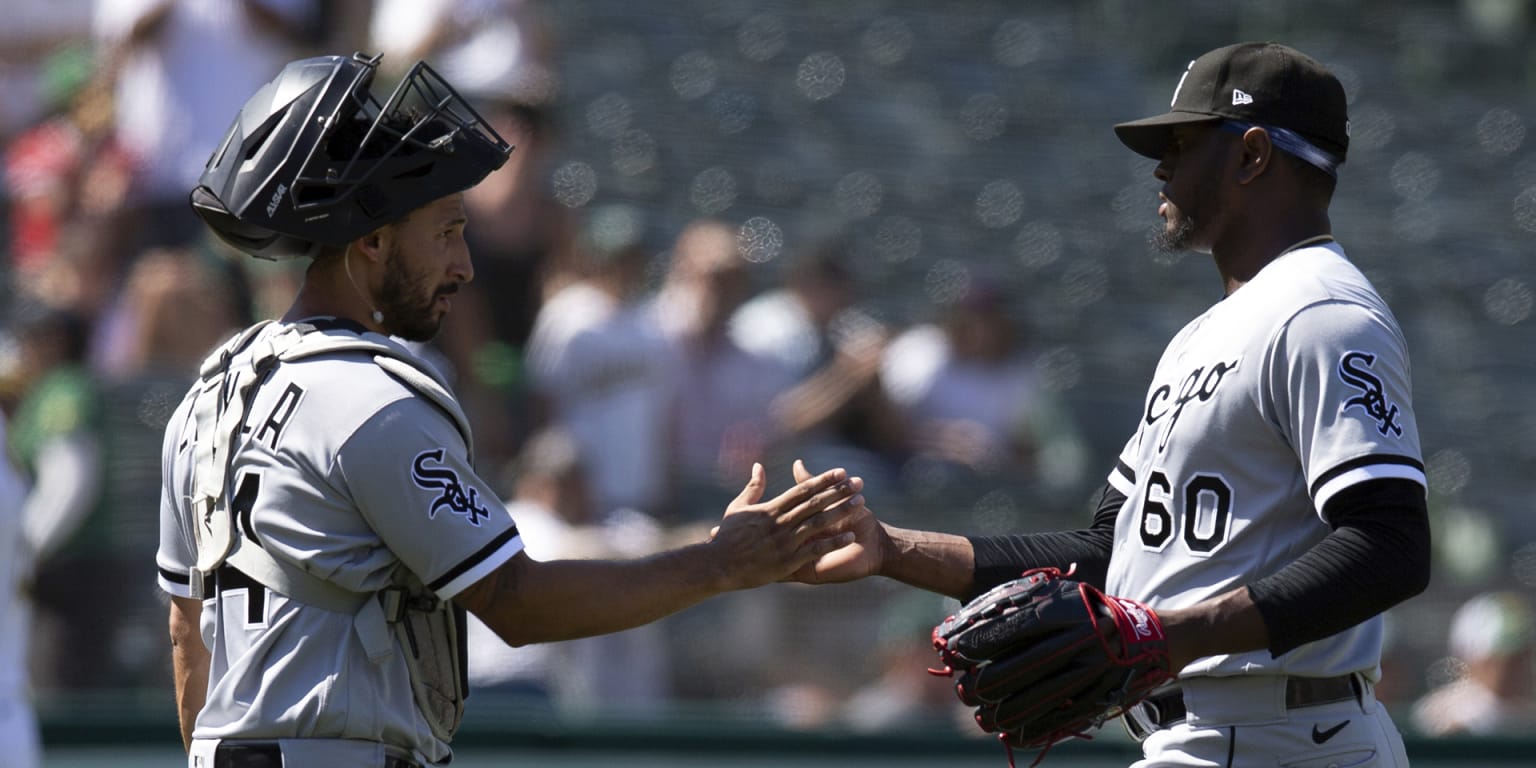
[32, 32]
[554, 512]
[65, 170]
[601, 369]
[721, 424]
[973, 396]
[477, 44]
[836, 412]
[175, 306]
[1492, 635]
[179, 69]
[55, 438]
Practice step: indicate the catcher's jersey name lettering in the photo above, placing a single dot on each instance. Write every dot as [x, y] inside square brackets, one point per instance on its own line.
[453, 494]
[1355, 370]
[277, 419]
[1198, 386]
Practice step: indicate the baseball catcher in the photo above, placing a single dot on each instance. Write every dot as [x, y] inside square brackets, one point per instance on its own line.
[1044, 658]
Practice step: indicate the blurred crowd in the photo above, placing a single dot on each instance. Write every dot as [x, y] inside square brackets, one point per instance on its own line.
[622, 380]
[621, 387]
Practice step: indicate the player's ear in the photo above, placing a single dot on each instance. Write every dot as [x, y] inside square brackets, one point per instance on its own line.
[1257, 150]
[374, 246]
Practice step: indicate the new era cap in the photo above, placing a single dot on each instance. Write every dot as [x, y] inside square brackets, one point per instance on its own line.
[1267, 84]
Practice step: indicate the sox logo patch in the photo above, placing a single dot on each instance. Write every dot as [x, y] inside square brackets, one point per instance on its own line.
[451, 492]
[1355, 370]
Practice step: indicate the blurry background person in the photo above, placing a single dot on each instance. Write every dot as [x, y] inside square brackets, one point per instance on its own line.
[472, 43]
[969, 387]
[175, 306]
[33, 30]
[788, 373]
[65, 173]
[18, 723]
[178, 69]
[601, 370]
[836, 411]
[1493, 641]
[54, 437]
[721, 422]
[625, 671]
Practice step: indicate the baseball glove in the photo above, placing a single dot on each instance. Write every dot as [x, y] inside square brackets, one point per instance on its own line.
[1044, 658]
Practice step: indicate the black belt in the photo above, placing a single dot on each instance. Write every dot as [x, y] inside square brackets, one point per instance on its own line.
[256, 754]
[1166, 708]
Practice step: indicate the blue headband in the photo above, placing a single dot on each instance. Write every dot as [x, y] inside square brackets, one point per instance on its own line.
[1293, 143]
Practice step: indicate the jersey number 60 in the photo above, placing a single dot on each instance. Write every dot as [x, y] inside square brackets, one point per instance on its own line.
[1204, 507]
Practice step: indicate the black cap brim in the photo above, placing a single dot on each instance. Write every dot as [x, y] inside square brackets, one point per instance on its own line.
[1149, 136]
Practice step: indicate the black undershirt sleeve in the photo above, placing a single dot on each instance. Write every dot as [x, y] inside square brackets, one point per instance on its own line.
[1377, 556]
[1003, 558]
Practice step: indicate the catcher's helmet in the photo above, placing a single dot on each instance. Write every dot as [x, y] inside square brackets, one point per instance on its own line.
[314, 159]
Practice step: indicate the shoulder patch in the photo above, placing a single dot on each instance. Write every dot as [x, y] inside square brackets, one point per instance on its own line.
[428, 473]
[1355, 370]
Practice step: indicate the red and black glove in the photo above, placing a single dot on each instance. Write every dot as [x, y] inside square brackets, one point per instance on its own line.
[1044, 658]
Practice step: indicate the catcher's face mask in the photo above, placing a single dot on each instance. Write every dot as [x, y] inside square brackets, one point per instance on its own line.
[315, 159]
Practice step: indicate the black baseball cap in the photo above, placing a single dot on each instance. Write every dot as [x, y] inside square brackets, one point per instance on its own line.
[1265, 84]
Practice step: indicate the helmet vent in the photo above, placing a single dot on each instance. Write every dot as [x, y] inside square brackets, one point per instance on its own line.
[254, 144]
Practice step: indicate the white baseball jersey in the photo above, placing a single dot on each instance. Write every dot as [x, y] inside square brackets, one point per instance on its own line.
[1288, 391]
[342, 469]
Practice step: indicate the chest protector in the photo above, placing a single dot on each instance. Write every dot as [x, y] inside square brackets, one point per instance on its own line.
[405, 617]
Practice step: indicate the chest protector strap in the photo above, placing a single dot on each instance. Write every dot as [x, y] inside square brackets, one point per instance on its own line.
[427, 631]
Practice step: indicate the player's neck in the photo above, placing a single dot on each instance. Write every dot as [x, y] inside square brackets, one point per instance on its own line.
[326, 292]
[1239, 261]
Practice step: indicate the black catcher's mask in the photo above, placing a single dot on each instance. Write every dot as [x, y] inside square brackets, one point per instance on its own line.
[315, 160]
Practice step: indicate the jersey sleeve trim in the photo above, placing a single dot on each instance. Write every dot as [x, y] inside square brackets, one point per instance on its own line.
[1365, 468]
[1123, 478]
[477, 566]
[177, 584]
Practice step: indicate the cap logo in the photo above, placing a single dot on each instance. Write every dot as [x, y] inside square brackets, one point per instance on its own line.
[1239, 96]
[1180, 86]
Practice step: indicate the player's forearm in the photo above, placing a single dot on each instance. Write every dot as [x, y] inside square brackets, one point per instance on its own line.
[189, 662]
[1228, 623]
[938, 562]
[1084, 552]
[1378, 555]
[528, 601]
[531, 602]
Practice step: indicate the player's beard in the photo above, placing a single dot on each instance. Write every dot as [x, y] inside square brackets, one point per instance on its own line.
[1175, 239]
[407, 313]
